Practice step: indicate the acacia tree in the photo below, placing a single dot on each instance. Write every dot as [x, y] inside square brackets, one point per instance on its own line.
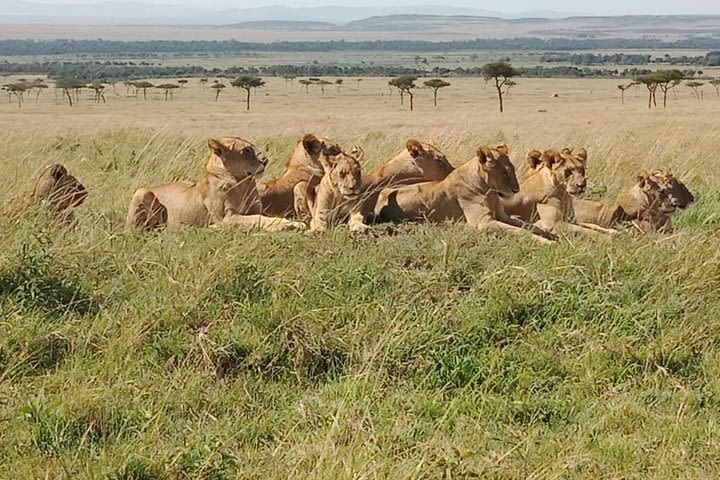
[624, 87]
[248, 83]
[339, 83]
[182, 82]
[168, 88]
[68, 85]
[404, 84]
[306, 84]
[218, 87]
[650, 82]
[323, 84]
[98, 88]
[695, 86]
[436, 84]
[358, 80]
[715, 82]
[501, 72]
[142, 86]
[667, 79]
[39, 86]
[203, 81]
[18, 89]
[289, 79]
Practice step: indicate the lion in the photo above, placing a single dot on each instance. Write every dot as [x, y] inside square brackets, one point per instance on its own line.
[277, 196]
[646, 205]
[471, 192]
[336, 197]
[225, 195]
[60, 190]
[546, 193]
[417, 162]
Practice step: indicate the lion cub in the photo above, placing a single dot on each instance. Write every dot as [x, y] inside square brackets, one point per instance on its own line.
[471, 192]
[337, 196]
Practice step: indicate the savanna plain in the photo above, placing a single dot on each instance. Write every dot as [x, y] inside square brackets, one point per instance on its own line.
[421, 351]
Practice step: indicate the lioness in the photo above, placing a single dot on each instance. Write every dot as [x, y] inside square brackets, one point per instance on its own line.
[336, 198]
[645, 205]
[418, 162]
[546, 193]
[60, 190]
[471, 192]
[303, 166]
[226, 194]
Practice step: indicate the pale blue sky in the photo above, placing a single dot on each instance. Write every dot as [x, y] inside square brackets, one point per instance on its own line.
[604, 7]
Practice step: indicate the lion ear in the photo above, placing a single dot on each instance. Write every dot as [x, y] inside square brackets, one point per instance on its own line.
[486, 157]
[312, 144]
[328, 163]
[643, 179]
[414, 147]
[503, 149]
[357, 153]
[581, 155]
[57, 172]
[551, 158]
[534, 159]
[217, 147]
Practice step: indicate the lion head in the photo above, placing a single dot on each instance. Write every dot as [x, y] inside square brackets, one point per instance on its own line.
[656, 198]
[59, 189]
[236, 157]
[674, 189]
[567, 169]
[434, 165]
[344, 171]
[498, 170]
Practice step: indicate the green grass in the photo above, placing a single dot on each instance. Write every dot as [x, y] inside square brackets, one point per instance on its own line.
[434, 353]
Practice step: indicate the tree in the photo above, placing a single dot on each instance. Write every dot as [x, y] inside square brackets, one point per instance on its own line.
[306, 84]
[404, 84]
[168, 88]
[203, 81]
[501, 72]
[436, 85]
[624, 87]
[358, 82]
[650, 82]
[18, 89]
[98, 88]
[182, 82]
[715, 82]
[289, 79]
[339, 83]
[695, 86]
[39, 86]
[323, 84]
[218, 87]
[247, 83]
[667, 79]
[68, 85]
[142, 86]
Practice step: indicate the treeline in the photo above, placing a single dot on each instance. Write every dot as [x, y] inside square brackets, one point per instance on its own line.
[110, 72]
[710, 59]
[107, 47]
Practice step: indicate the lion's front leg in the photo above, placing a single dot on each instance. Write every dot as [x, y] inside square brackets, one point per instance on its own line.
[356, 222]
[262, 222]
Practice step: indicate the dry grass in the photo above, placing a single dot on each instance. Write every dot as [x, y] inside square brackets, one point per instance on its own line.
[436, 353]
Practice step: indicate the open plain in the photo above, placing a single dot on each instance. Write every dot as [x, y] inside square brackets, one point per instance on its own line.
[418, 352]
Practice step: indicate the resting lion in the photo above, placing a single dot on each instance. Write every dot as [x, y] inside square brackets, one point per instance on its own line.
[676, 190]
[225, 195]
[418, 162]
[303, 166]
[60, 190]
[547, 190]
[646, 205]
[471, 192]
[336, 198]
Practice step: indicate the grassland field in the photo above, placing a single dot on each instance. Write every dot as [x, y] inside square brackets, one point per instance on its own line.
[426, 351]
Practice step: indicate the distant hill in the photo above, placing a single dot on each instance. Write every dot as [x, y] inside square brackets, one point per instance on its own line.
[282, 25]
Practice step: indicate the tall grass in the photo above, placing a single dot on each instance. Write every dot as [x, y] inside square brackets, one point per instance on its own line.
[427, 352]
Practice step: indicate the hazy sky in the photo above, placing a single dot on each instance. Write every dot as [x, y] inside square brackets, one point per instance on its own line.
[508, 6]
